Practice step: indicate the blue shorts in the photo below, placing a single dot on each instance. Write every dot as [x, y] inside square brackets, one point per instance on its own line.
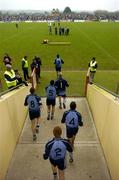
[60, 163]
[61, 93]
[71, 131]
[58, 69]
[34, 114]
[50, 102]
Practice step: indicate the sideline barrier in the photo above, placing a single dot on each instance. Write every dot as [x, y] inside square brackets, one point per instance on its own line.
[13, 114]
[105, 110]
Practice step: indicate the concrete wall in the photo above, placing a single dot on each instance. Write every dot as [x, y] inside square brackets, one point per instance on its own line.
[105, 111]
[12, 117]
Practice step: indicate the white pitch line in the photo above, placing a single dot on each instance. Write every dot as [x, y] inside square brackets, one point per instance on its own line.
[99, 46]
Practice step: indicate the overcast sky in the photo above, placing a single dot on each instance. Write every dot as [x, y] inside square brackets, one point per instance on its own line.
[110, 5]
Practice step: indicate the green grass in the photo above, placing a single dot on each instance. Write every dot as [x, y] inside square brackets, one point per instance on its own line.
[87, 40]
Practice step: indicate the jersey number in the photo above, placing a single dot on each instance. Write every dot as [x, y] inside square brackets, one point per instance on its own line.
[58, 152]
[72, 122]
[50, 92]
[32, 104]
[61, 84]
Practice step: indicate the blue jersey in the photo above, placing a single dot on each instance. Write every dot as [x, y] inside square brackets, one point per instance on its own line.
[33, 102]
[51, 92]
[56, 148]
[58, 62]
[61, 85]
[72, 119]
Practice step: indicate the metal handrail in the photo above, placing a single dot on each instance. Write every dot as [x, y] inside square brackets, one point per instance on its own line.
[9, 90]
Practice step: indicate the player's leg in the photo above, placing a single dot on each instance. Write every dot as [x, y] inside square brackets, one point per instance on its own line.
[48, 103]
[60, 102]
[52, 112]
[61, 174]
[54, 170]
[74, 132]
[38, 124]
[33, 128]
[48, 111]
[53, 108]
[70, 138]
[64, 101]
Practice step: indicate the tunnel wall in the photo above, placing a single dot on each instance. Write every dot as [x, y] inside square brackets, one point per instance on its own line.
[105, 111]
[12, 117]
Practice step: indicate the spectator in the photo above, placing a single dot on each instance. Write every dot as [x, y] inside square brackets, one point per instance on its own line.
[55, 150]
[51, 99]
[92, 69]
[34, 102]
[10, 77]
[25, 68]
[37, 65]
[73, 120]
[19, 78]
[58, 64]
[7, 59]
[61, 85]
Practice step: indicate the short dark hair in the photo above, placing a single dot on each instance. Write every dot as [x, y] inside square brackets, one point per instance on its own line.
[57, 55]
[93, 58]
[57, 131]
[73, 105]
[25, 57]
[52, 82]
[32, 90]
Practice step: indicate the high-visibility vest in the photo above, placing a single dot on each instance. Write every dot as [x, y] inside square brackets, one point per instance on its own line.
[92, 66]
[26, 63]
[11, 74]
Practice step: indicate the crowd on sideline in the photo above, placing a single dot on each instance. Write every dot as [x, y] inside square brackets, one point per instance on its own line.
[13, 77]
[59, 16]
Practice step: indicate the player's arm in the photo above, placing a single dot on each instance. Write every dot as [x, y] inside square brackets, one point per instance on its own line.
[48, 147]
[25, 102]
[55, 61]
[39, 100]
[67, 85]
[80, 121]
[64, 117]
[62, 61]
[68, 145]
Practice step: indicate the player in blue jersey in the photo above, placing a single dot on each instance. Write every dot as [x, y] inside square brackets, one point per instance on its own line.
[61, 85]
[58, 64]
[34, 102]
[51, 99]
[73, 120]
[55, 150]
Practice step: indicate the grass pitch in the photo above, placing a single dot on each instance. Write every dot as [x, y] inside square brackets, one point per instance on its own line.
[87, 40]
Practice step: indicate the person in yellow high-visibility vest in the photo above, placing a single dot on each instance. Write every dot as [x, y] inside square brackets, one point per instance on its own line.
[10, 77]
[25, 68]
[92, 69]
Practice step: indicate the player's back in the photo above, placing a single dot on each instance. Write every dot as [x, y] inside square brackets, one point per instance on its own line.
[51, 92]
[33, 102]
[61, 84]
